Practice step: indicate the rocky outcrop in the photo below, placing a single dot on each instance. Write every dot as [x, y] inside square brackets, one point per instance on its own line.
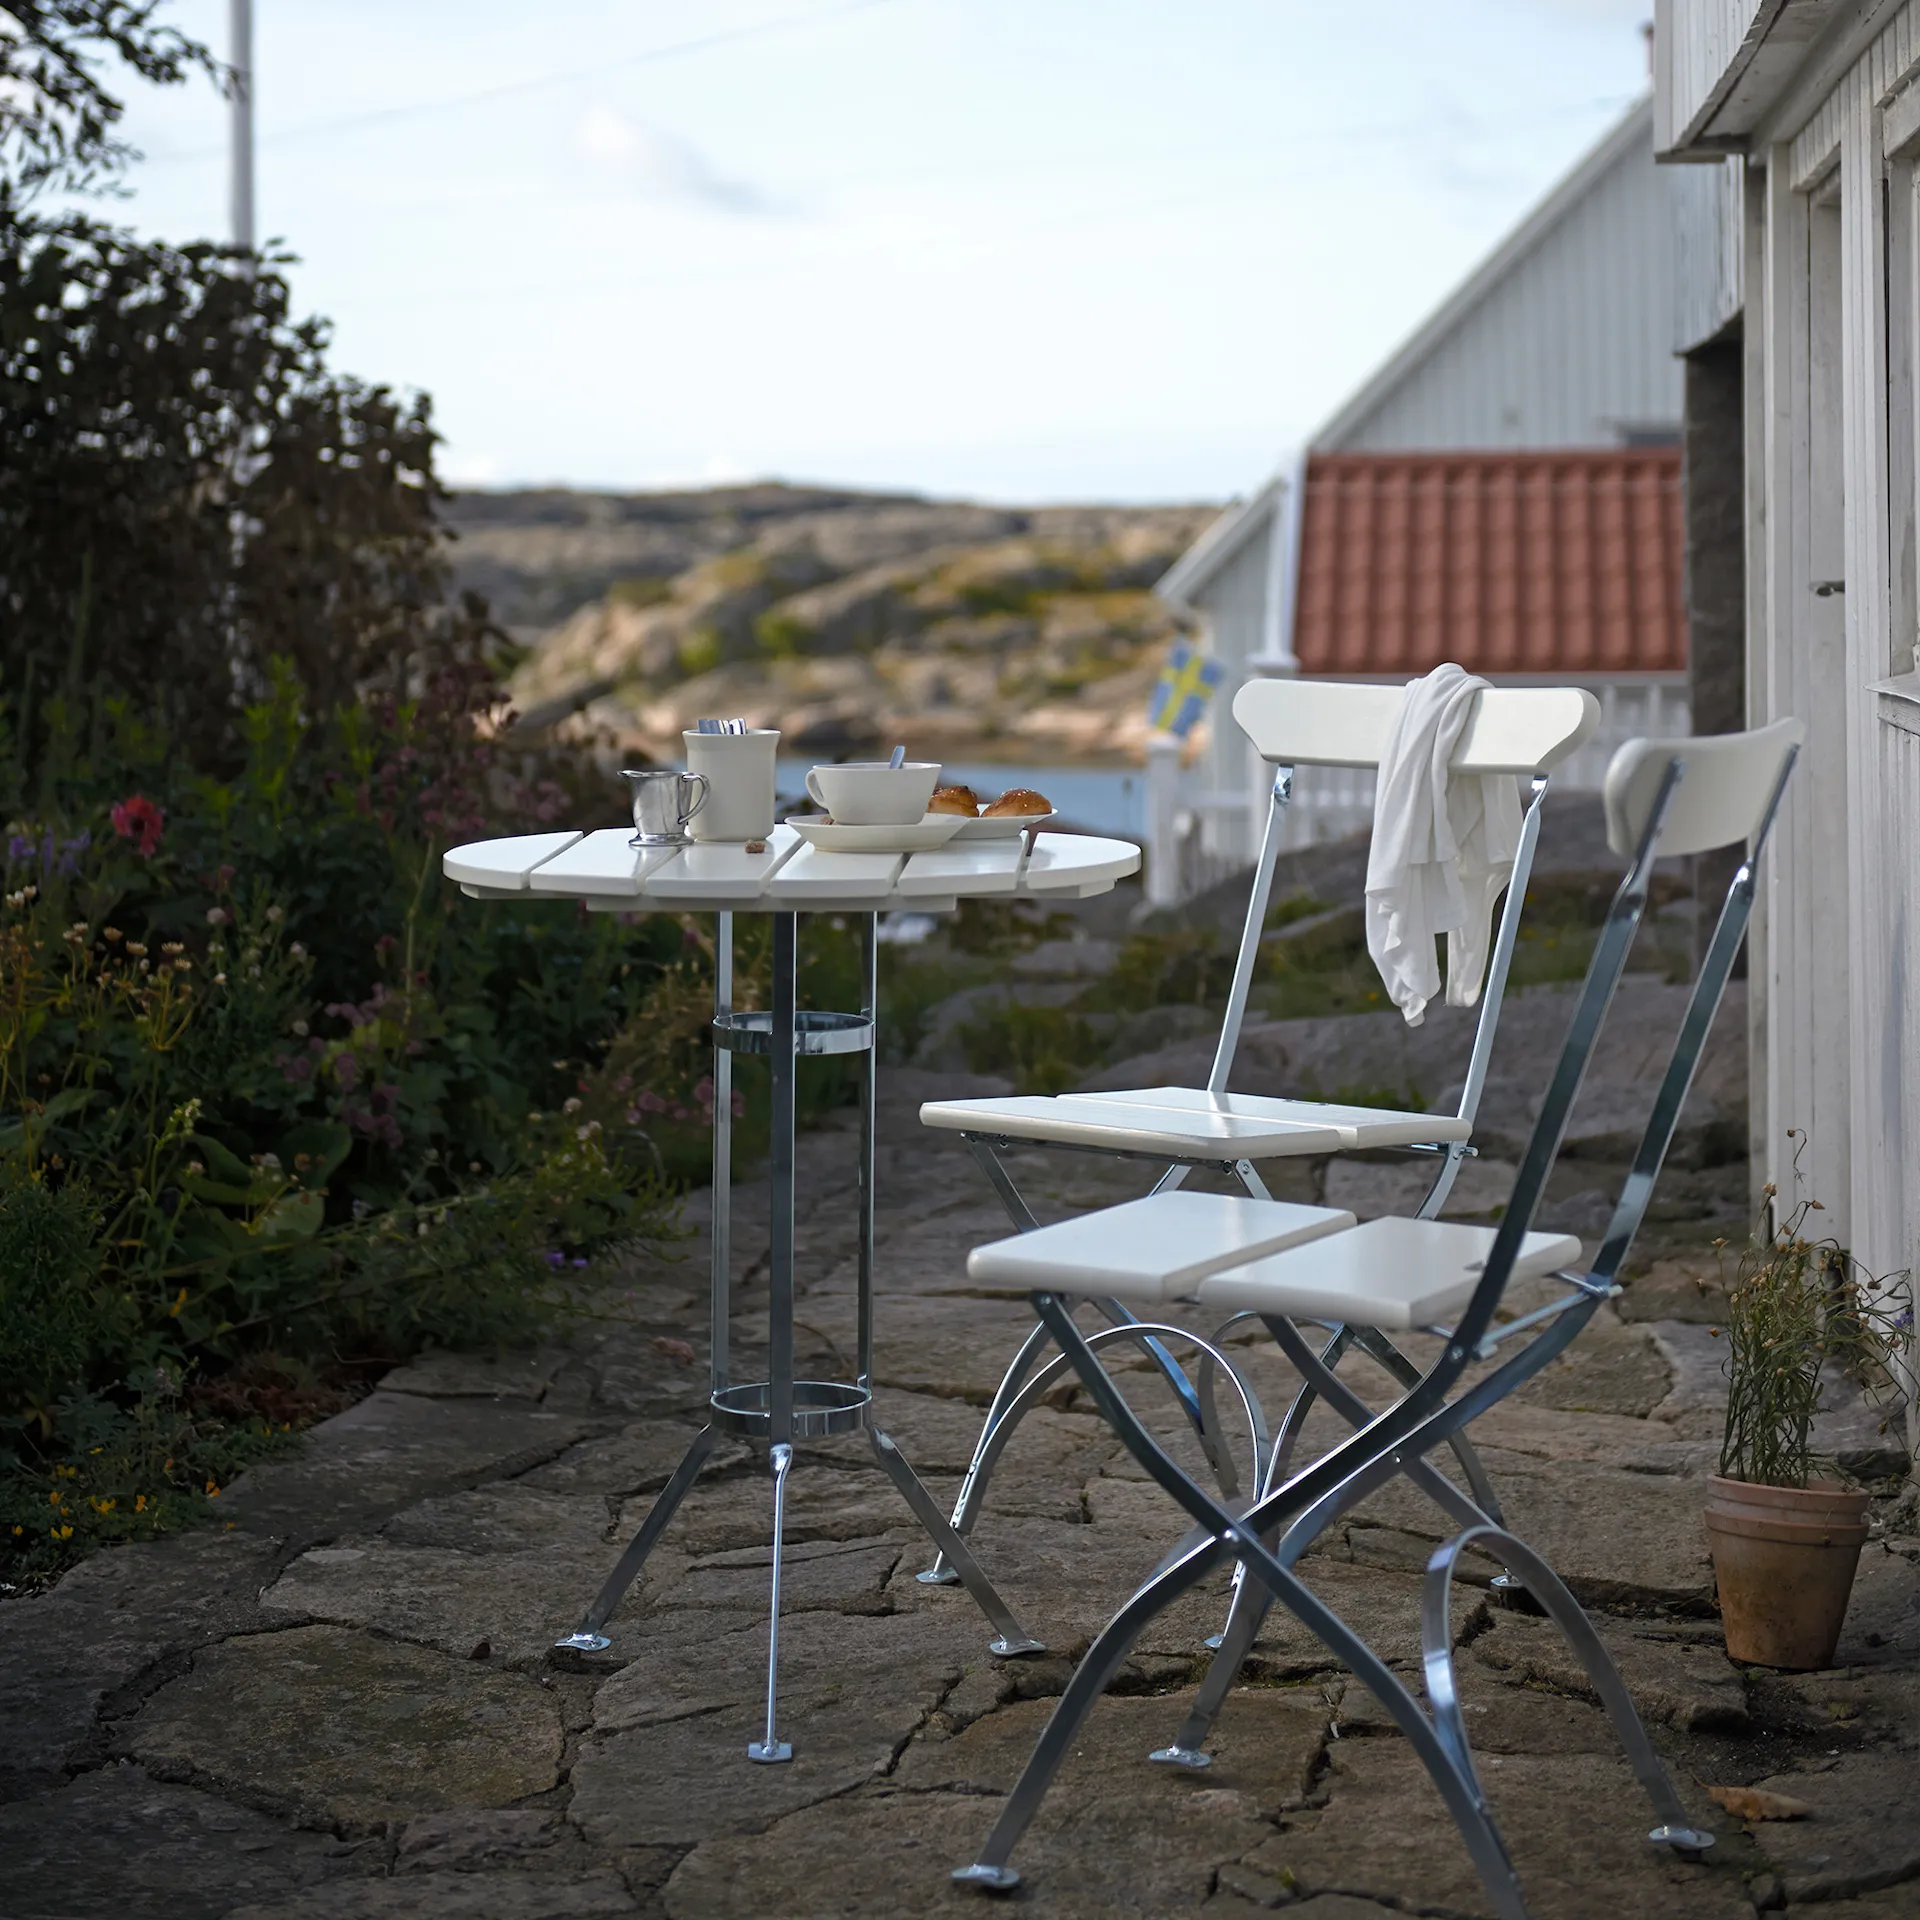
[840, 618]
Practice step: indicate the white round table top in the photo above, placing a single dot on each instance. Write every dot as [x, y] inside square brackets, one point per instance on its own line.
[789, 876]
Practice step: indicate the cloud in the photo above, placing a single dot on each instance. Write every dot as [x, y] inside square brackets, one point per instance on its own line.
[667, 166]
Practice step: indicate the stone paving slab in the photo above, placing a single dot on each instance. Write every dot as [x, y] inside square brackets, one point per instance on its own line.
[1574, 1823]
[346, 1731]
[347, 1705]
[111, 1622]
[117, 1841]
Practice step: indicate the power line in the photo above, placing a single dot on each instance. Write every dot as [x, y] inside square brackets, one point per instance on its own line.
[672, 51]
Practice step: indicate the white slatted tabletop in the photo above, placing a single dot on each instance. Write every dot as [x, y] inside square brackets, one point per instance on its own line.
[789, 876]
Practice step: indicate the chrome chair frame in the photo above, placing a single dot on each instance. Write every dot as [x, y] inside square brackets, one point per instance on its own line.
[1270, 1537]
[1010, 1405]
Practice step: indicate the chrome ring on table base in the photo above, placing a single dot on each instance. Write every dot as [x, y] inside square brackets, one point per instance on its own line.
[813, 1033]
[819, 1407]
[780, 1409]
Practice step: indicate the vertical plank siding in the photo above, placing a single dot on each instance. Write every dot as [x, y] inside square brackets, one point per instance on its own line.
[1707, 225]
[1876, 1202]
[1566, 349]
[1831, 432]
[1899, 1063]
[1695, 44]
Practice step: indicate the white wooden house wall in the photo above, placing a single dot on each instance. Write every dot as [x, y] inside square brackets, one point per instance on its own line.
[1707, 247]
[1830, 227]
[1562, 338]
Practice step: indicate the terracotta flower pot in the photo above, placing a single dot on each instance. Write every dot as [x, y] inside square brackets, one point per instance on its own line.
[1784, 1560]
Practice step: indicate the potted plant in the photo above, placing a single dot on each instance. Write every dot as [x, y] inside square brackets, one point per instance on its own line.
[1785, 1542]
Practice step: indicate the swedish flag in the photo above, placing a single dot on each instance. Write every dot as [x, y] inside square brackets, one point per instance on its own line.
[1185, 686]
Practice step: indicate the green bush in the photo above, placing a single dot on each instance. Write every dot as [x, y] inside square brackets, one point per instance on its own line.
[47, 1270]
[273, 1094]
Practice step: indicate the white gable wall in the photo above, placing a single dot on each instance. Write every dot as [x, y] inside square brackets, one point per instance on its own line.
[1562, 339]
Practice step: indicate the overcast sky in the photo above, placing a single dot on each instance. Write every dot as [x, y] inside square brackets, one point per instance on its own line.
[1018, 249]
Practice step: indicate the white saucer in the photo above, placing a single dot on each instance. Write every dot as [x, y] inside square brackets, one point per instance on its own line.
[999, 826]
[934, 830]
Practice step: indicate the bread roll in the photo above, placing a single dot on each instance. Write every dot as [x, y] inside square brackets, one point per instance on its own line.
[1020, 800]
[954, 800]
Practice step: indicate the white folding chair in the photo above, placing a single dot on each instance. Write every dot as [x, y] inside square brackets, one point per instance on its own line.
[1663, 798]
[1523, 731]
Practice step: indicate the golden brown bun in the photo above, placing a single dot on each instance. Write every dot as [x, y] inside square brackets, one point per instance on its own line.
[954, 800]
[1020, 800]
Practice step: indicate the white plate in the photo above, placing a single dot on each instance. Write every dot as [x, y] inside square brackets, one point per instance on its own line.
[999, 826]
[934, 830]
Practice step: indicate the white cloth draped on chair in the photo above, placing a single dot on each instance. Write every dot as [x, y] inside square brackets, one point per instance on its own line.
[1443, 849]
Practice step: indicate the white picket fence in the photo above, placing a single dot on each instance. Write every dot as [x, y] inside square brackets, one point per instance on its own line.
[1197, 836]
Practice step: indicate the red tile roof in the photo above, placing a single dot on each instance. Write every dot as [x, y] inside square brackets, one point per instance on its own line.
[1510, 563]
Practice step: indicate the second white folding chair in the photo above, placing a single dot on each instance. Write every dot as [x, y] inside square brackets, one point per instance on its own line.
[1522, 731]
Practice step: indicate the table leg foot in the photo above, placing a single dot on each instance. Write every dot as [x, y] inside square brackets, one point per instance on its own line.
[583, 1642]
[938, 1575]
[993, 1879]
[769, 1752]
[1009, 1646]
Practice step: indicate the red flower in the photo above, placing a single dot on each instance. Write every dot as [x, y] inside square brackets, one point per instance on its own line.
[139, 819]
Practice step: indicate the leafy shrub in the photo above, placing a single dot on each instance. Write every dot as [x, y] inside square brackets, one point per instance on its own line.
[47, 1266]
[1040, 1049]
[271, 1092]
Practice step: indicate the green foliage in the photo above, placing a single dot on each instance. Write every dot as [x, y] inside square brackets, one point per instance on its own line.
[123, 1468]
[1040, 1049]
[641, 590]
[57, 120]
[47, 1266]
[913, 985]
[270, 1090]
[698, 652]
[996, 929]
[188, 495]
[1797, 1306]
[781, 636]
[1183, 967]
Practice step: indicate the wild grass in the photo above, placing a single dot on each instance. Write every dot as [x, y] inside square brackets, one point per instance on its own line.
[1796, 1308]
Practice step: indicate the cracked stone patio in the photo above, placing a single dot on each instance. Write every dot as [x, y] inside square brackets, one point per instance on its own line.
[344, 1704]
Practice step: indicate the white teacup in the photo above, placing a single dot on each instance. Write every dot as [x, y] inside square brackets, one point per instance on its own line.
[739, 771]
[870, 793]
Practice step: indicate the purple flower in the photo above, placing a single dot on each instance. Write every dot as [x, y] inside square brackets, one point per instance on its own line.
[555, 1258]
[579, 1260]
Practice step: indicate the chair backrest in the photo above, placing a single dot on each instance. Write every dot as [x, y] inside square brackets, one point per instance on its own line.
[1524, 731]
[1336, 723]
[1741, 777]
[1729, 779]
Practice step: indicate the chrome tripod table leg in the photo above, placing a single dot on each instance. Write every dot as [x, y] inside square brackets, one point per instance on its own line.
[773, 1749]
[587, 1636]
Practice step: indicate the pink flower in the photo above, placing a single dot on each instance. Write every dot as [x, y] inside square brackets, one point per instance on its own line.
[139, 819]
